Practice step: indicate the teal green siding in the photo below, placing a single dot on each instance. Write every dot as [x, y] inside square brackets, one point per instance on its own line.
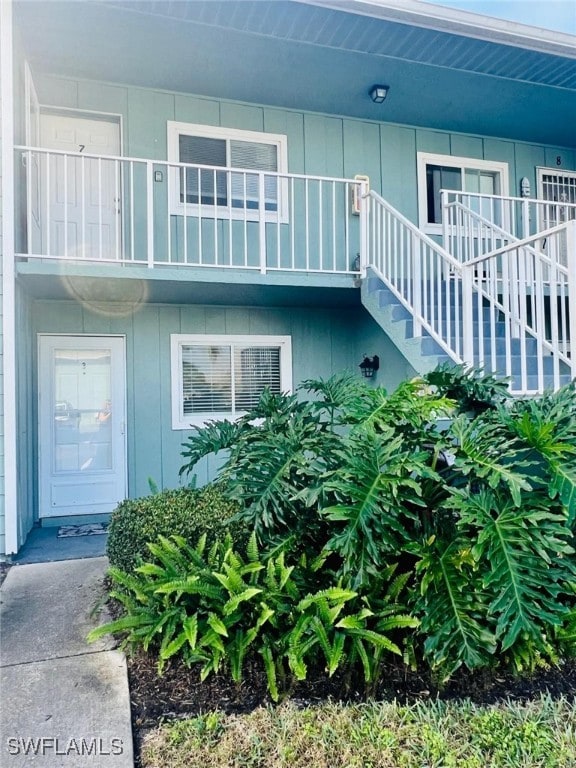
[324, 342]
[398, 154]
[317, 144]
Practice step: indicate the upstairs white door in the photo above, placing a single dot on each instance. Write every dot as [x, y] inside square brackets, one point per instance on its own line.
[82, 417]
[82, 195]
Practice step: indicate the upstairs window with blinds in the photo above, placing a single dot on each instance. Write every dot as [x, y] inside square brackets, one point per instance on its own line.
[251, 188]
[221, 377]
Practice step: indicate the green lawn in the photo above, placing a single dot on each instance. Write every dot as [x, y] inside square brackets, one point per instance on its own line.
[540, 734]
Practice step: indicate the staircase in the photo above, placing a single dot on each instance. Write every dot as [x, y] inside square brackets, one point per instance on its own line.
[424, 353]
[495, 311]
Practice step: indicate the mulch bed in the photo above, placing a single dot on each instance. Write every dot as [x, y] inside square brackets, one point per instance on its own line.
[178, 693]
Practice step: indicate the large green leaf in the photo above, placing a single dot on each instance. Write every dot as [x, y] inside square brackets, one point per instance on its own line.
[524, 558]
[453, 609]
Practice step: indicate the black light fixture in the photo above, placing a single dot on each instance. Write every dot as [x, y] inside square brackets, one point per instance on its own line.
[369, 366]
[378, 93]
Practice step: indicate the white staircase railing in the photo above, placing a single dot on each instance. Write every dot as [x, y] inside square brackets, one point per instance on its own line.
[506, 309]
[519, 301]
[419, 272]
[472, 222]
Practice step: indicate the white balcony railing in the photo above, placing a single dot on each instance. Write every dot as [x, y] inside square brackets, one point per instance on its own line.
[90, 208]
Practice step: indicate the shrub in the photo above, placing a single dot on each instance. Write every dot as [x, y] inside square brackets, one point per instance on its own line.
[355, 495]
[185, 512]
[216, 607]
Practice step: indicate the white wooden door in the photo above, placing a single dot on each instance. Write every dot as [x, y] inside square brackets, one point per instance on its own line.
[82, 195]
[82, 417]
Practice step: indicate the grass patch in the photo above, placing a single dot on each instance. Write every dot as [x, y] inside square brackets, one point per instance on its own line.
[538, 734]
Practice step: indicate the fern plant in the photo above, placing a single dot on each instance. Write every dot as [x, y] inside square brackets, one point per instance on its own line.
[215, 608]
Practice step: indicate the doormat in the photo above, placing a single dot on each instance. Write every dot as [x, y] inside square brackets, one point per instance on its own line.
[90, 529]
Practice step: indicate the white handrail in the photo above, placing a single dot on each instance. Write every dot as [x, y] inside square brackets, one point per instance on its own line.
[419, 272]
[506, 310]
[523, 243]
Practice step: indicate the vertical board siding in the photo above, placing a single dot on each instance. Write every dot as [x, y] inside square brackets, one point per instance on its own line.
[148, 113]
[361, 144]
[528, 157]
[323, 145]
[317, 144]
[504, 151]
[324, 341]
[243, 116]
[100, 97]
[190, 109]
[147, 424]
[291, 125]
[435, 142]
[553, 154]
[398, 157]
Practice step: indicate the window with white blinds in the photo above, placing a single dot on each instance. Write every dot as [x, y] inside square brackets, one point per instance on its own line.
[217, 377]
[228, 191]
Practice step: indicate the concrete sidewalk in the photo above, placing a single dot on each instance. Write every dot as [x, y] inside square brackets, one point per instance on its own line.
[63, 703]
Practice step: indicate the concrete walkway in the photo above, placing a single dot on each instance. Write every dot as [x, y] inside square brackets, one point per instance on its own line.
[63, 702]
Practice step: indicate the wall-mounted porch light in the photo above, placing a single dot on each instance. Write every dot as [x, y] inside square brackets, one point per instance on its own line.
[378, 93]
[369, 366]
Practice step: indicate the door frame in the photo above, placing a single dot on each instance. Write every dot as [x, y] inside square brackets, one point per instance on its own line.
[43, 454]
[94, 115]
[87, 114]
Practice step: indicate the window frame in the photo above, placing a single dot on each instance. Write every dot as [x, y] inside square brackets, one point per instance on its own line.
[180, 420]
[424, 159]
[541, 172]
[279, 140]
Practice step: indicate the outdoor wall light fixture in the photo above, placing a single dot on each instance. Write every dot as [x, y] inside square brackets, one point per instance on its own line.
[369, 366]
[378, 93]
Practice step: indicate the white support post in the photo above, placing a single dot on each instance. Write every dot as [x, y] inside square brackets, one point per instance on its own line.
[525, 219]
[415, 274]
[364, 201]
[8, 283]
[467, 316]
[150, 213]
[445, 222]
[571, 258]
[262, 222]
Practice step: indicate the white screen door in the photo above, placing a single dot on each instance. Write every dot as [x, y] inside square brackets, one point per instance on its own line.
[82, 415]
[82, 195]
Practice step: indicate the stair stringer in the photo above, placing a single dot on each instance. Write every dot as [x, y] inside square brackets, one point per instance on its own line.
[423, 353]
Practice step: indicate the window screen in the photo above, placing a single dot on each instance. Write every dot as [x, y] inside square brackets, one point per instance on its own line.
[212, 187]
[205, 186]
[227, 379]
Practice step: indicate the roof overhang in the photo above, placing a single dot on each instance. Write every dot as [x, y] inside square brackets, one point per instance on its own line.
[447, 70]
